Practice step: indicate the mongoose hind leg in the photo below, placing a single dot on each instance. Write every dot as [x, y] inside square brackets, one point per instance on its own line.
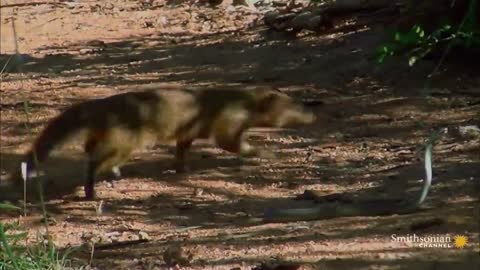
[89, 186]
[98, 164]
[105, 153]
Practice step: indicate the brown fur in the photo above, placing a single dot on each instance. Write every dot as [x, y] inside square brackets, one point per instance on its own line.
[118, 124]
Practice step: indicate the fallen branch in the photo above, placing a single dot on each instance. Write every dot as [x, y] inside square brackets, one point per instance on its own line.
[319, 18]
[120, 244]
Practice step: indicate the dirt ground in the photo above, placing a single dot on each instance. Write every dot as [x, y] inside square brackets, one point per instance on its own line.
[372, 122]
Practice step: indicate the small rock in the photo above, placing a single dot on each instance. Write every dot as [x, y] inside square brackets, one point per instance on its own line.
[96, 43]
[197, 192]
[148, 24]
[162, 20]
[110, 234]
[206, 27]
[231, 9]
[469, 132]
[133, 237]
[109, 6]
[174, 255]
[144, 235]
[104, 240]
[85, 51]
[49, 220]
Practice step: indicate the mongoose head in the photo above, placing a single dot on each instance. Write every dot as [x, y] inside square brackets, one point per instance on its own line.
[275, 109]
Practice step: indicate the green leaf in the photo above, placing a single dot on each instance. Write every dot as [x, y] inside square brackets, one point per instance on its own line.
[398, 36]
[9, 206]
[412, 60]
[380, 59]
[421, 34]
[417, 28]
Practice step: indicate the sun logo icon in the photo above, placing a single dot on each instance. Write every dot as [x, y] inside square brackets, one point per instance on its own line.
[460, 241]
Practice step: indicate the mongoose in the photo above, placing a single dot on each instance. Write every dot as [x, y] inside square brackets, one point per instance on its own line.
[117, 125]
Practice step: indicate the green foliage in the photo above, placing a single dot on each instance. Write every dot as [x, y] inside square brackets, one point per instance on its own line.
[8, 206]
[417, 43]
[16, 254]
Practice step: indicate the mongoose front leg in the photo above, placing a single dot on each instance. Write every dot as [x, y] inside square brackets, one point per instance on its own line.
[182, 148]
[240, 146]
[89, 186]
[94, 167]
[229, 133]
